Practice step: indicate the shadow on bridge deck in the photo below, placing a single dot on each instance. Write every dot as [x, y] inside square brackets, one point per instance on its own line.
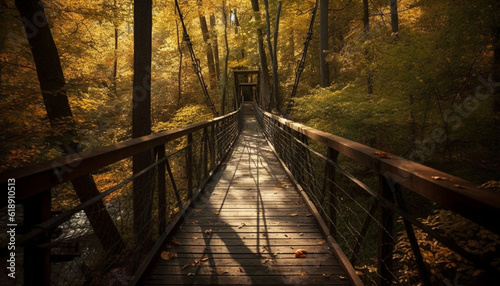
[247, 226]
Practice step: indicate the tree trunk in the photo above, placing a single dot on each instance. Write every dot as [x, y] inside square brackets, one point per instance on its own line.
[215, 46]
[209, 52]
[179, 72]
[323, 43]
[275, 60]
[366, 24]
[264, 79]
[394, 18]
[115, 60]
[141, 118]
[226, 60]
[51, 77]
[115, 63]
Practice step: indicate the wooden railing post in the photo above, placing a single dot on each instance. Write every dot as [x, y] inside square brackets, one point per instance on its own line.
[386, 242]
[162, 191]
[189, 164]
[212, 147]
[205, 152]
[37, 259]
[330, 174]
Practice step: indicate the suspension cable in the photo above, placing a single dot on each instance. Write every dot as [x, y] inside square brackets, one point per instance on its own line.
[196, 62]
[302, 61]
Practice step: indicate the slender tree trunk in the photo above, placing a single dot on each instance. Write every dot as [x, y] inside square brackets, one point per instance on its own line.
[115, 63]
[273, 102]
[215, 46]
[52, 82]
[115, 53]
[208, 49]
[394, 18]
[226, 60]
[264, 79]
[366, 24]
[276, 96]
[142, 192]
[323, 43]
[179, 72]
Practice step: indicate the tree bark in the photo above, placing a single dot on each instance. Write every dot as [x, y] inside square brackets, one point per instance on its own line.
[264, 69]
[141, 118]
[179, 72]
[115, 61]
[323, 43]
[208, 50]
[366, 24]
[394, 18]
[276, 95]
[215, 46]
[226, 60]
[52, 82]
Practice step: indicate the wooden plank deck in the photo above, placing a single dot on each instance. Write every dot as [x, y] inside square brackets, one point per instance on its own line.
[246, 228]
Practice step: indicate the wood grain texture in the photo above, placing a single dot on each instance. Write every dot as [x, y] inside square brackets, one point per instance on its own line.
[246, 228]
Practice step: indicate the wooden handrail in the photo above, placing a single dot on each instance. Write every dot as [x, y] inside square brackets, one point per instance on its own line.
[463, 197]
[39, 178]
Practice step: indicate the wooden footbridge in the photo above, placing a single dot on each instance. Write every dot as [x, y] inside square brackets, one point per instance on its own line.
[248, 198]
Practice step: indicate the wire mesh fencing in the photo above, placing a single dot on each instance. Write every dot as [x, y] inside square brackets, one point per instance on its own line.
[391, 233]
[68, 235]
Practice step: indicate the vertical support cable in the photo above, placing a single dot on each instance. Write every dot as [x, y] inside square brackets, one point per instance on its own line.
[386, 242]
[302, 61]
[189, 164]
[330, 174]
[205, 152]
[162, 190]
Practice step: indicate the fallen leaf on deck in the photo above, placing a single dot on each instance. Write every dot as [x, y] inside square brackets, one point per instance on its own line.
[241, 225]
[167, 255]
[208, 231]
[321, 242]
[301, 234]
[309, 215]
[175, 242]
[198, 210]
[359, 273]
[204, 259]
[216, 213]
[185, 266]
[293, 214]
[382, 154]
[301, 253]
[342, 277]
[303, 273]
[286, 235]
[190, 274]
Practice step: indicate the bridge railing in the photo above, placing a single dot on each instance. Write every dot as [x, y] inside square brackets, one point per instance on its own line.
[397, 221]
[60, 238]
